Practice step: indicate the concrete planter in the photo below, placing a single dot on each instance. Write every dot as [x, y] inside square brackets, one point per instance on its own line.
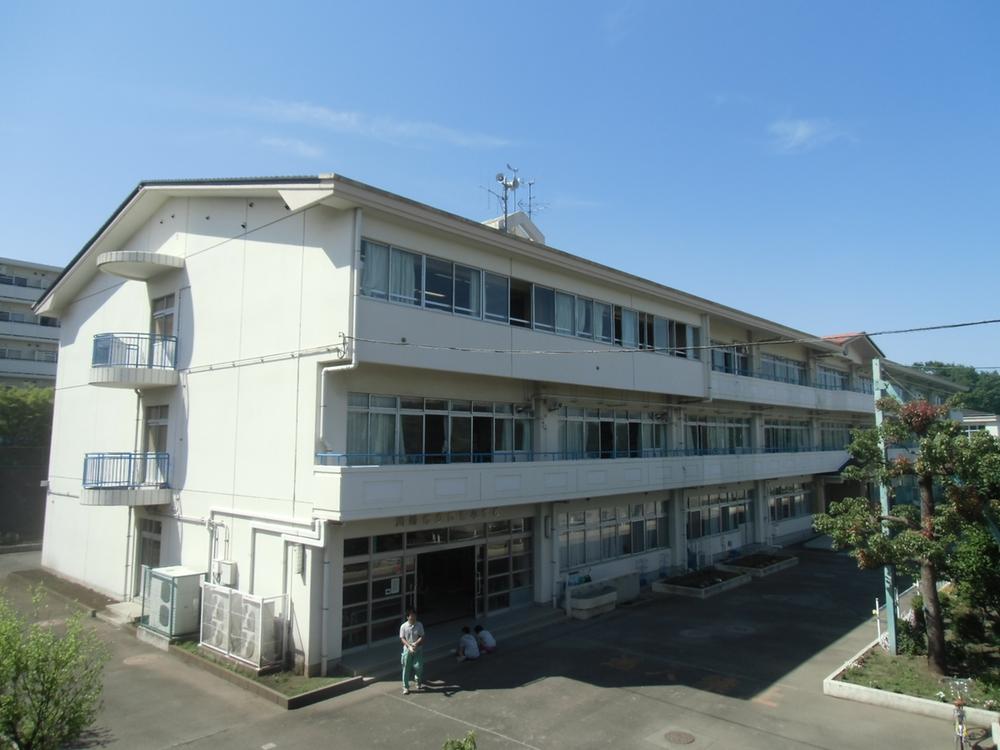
[788, 562]
[287, 702]
[837, 688]
[664, 587]
[590, 600]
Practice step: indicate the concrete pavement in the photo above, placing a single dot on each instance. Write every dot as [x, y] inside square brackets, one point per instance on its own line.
[742, 670]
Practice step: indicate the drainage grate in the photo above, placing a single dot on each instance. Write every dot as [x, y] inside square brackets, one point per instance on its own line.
[675, 737]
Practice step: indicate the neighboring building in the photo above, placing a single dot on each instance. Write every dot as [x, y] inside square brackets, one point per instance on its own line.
[973, 421]
[314, 388]
[29, 343]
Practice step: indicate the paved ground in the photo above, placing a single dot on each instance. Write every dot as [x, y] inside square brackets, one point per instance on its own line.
[742, 670]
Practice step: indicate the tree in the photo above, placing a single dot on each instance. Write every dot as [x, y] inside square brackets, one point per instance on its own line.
[984, 387]
[50, 682]
[25, 416]
[958, 479]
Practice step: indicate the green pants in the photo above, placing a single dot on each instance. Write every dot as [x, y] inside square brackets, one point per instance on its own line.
[413, 666]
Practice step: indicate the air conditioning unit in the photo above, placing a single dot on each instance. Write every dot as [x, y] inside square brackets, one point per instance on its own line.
[171, 600]
[215, 618]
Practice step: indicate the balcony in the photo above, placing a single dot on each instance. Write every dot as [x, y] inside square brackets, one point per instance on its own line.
[138, 265]
[126, 479]
[133, 360]
[29, 328]
[354, 492]
[758, 389]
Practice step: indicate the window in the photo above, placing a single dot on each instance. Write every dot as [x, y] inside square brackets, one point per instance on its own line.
[374, 270]
[714, 513]
[610, 532]
[711, 435]
[405, 277]
[520, 303]
[603, 323]
[467, 291]
[791, 501]
[565, 304]
[773, 367]
[834, 436]
[607, 433]
[440, 284]
[731, 358]
[545, 309]
[787, 436]
[584, 318]
[831, 379]
[629, 328]
[496, 298]
[406, 429]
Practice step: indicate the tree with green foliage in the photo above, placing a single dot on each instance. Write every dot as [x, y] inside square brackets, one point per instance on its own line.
[983, 392]
[25, 416]
[50, 681]
[962, 471]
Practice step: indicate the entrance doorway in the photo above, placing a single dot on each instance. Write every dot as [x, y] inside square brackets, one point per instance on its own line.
[446, 585]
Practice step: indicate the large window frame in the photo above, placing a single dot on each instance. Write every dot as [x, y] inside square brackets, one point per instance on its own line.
[597, 535]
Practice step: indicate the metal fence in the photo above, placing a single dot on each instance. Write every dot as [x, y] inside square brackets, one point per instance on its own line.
[134, 350]
[247, 628]
[126, 470]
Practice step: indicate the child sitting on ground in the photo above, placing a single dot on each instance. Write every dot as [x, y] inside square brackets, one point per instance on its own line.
[467, 647]
[487, 643]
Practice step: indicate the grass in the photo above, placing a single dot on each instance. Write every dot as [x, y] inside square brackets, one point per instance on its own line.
[975, 663]
[286, 683]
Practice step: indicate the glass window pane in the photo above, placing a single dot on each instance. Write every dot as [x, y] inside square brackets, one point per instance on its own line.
[630, 329]
[405, 277]
[584, 318]
[355, 594]
[544, 310]
[426, 537]
[374, 270]
[603, 323]
[356, 573]
[564, 313]
[467, 291]
[498, 528]
[388, 543]
[356, 546]
[496, 297]
[520, 303]
[461, 439]
[439, 281]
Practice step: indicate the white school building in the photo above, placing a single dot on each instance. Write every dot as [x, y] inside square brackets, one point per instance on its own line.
[313, 389]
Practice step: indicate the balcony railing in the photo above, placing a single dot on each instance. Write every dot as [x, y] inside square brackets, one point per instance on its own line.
[126, 471]
[392, 459]
[803, 381]
[140, 350]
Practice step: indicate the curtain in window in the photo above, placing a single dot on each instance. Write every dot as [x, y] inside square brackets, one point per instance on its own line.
[375, 270]
[564, 313]
[574, 439]
[382, 440]
[357, 437]
[584, 318]
[630, 329]
[404, 277]
[603, 329]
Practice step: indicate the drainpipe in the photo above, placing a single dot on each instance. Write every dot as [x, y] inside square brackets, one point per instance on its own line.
[352, 322]
[324, 656]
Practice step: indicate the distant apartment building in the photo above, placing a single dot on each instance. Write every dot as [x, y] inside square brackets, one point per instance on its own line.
[973, 421]
[315, 389]
[29, 343]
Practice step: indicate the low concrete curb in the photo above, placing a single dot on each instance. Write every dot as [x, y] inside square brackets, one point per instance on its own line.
[837, 688]
[777, 567]
[8, 549]
[660, 587]
[286, 702]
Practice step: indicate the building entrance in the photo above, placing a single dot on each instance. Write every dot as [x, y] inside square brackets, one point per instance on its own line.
[446, 584]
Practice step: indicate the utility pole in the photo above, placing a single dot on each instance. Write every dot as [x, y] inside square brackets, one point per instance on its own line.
[883, 388]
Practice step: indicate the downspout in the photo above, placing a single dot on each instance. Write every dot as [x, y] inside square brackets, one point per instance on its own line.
[129, 536]
[352, 324]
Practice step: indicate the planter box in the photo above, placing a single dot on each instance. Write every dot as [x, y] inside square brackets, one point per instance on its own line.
[735, 567]
[663, 586]
[837, 688]
[590, 600]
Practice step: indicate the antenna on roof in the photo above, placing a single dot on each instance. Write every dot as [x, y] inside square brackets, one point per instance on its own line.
[509, 186]
[532, 207]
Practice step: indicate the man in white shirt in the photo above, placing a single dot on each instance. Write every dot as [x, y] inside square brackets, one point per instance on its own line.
[487, 643]
[467, 646]
[411, 635]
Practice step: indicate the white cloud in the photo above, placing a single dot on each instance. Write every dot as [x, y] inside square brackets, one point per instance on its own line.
[796, 136]
[618, 22]
[379, 127]
[293, 146]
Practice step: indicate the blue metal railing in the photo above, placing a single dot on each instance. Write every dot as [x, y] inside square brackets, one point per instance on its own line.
[419, 459]
[145, 350]
[126, 470]
[804, 381]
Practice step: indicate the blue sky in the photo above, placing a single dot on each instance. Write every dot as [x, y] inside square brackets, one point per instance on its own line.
[830, 166]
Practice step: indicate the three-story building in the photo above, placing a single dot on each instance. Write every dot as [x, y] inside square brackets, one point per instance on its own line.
[314, 388]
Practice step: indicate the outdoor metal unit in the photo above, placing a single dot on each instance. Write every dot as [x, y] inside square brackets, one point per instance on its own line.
[171, 600]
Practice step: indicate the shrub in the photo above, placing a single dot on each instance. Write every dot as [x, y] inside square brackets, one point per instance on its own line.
[466, 743]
